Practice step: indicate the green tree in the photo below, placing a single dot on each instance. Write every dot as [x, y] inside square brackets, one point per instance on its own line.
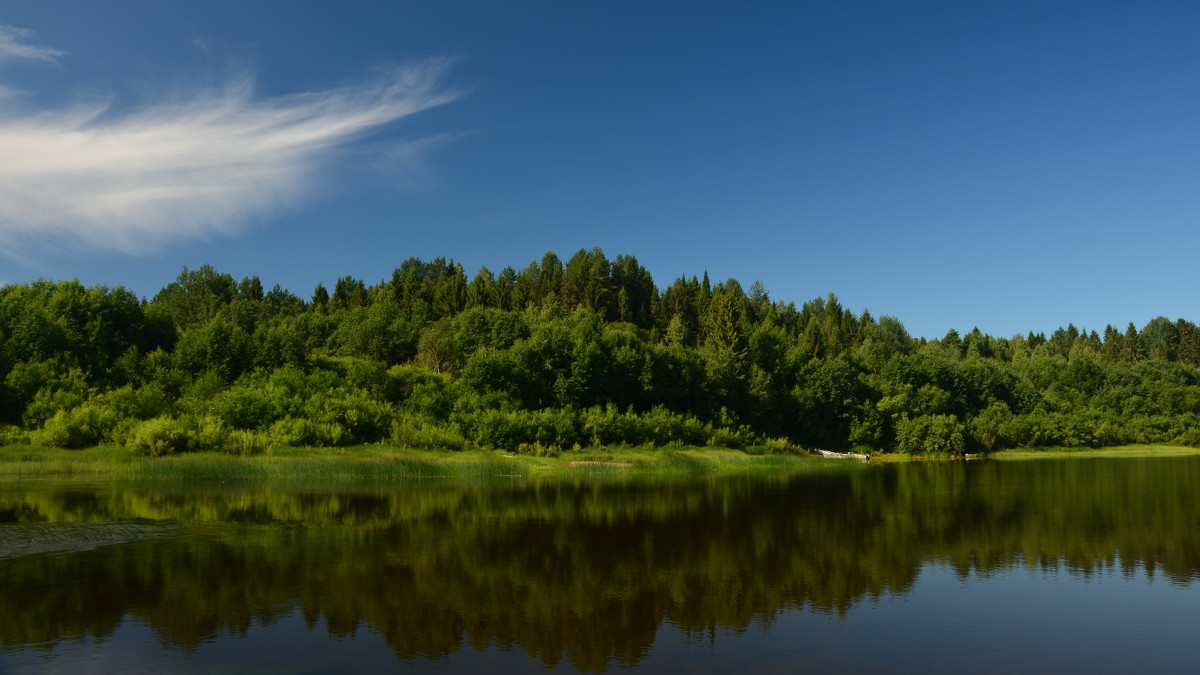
[196, 296]
[482, 291]
[320, 296]
[217, 347]
[587, 282]
[349, 292]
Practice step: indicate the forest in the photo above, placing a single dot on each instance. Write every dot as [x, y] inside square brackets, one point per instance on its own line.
[560, 355]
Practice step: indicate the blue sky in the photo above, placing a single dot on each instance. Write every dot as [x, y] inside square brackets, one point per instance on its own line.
[1013, 166]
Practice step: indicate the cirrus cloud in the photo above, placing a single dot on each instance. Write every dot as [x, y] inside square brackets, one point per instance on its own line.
[14, 48]
[187, 168]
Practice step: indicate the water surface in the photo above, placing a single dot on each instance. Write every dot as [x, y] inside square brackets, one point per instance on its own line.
[1054, 565]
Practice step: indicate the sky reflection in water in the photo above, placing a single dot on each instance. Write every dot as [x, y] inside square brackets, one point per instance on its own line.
[1067, 566]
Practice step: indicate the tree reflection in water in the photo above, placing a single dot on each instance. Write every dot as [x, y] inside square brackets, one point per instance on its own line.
[586, 572]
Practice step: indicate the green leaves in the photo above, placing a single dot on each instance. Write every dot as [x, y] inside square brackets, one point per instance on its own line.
[427, 355]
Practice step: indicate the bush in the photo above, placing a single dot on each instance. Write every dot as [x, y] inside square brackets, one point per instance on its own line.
[141, 403]
[361, 418]
[538, 450]
[79, 427]
[930, 434]
[509, 429]
[47, 403]
[987, 429]
[366, 374]
[211, 433]
[609, 426]
[417, 433]
[245, 407]
[402, 380]
[554, 428]
[332, 434]
[1189, 437]
[664, 427]
[557, 427]
[306, 432]
[164, 436]
[11, 434]
[197, 395]
[493, 428]
[242, 442]
[727, 438]
[35, 390]
[1035, 429]
[295, 432]
[434, 399]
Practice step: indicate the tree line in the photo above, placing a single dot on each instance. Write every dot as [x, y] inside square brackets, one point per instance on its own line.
[585, 353]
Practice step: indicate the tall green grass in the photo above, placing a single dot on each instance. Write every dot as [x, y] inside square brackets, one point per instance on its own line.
[1144, 450]
[384, 463]
[376, 462]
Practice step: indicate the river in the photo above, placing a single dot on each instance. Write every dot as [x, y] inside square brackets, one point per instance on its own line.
[1053, 565]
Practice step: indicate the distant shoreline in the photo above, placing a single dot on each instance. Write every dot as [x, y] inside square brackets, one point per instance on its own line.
[377, 462]
[1117, 451]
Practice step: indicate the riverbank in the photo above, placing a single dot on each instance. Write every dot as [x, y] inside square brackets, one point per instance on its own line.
[1146, 450]
[376, 462]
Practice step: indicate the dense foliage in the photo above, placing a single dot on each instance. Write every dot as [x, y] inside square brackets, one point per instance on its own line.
[590, 352]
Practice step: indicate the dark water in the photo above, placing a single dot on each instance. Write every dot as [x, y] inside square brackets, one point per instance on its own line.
[1083, 565]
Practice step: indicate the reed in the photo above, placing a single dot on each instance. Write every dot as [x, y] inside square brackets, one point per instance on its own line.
[378, 462]
[1143, 450]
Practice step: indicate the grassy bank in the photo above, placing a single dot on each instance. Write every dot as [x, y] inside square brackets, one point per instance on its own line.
[378, 462]
[375, 462]
[1115, 451]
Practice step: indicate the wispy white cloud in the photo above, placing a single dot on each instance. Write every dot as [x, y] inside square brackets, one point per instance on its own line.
[13, 47]
[188, 168]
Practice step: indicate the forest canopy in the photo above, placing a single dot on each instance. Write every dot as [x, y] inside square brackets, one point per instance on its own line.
[590, 352]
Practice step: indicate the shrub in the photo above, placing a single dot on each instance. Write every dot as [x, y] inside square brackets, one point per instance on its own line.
[1035, 429]
[366, 374]
[555, 427]
[433, 399]
[164, 436]
[245, 407]
[197, 395]
[665, 427]
[142, 403]
[495, 429]
[930, 434]
[538, 450]
[1189, 437]
[726, 437]
[211, 433]
[292, 431]
[609, 426]
[47, 403]
[402, 380]
[332, 434]
[289, 390]
[987, 429]
[242, 442]
[508, 429]
[418, 433]
[79, 427]
[35, 390]
[361, 418]
[11, 434]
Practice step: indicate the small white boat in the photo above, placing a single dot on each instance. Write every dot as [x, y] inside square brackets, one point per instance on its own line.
[830, 454]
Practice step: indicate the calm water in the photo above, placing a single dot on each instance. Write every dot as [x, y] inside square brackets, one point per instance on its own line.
[1082, 565]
